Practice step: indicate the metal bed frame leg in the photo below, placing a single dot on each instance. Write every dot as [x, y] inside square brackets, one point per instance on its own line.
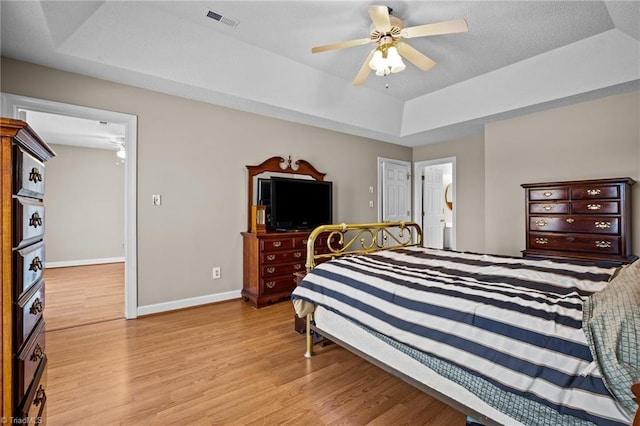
[309, 352]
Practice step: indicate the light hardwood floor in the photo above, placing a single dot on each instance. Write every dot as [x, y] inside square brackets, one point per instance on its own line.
[83, 295]
[221, 364]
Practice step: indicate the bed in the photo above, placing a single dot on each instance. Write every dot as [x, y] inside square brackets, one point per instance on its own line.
[505, 340]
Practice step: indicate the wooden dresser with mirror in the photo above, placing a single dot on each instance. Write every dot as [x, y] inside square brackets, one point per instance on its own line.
[24, 360]
[271, 258]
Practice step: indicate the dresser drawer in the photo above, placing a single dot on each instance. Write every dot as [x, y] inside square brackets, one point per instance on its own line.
[33, 405]
[593, 224]
[557, 208]
[278, 284]
[29, 221]
[28, 312]
[282, 269]
[579, 243]
[276, 244]
[29, 174]
[29, 264]
[549, 194]
[595, 207]
[28, 360]
[283, 256]
[595, 192]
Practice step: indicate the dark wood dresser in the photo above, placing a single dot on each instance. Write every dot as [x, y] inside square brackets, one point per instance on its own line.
[269, 263]
[24, 361]
[585, 219]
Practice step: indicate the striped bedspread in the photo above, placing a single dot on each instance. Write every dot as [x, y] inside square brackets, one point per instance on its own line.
[514, 322]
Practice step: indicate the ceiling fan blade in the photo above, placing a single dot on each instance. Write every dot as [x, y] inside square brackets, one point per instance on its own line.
[380, 17]
[416, 57]
[340, 45]
[364, 70]
[448, 27]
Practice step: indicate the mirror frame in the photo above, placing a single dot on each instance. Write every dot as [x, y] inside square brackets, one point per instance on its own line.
[278, 165]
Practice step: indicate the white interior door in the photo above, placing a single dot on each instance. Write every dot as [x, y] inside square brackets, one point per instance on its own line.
[395, 203]
[433, 208]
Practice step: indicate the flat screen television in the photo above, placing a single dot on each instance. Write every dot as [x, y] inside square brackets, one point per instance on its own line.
[300, 204]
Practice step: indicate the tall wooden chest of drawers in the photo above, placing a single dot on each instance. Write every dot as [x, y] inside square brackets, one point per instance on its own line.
[586, 219]
[24, 361]
[269, 263]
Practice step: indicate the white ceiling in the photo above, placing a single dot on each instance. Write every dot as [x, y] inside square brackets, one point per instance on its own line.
[65, 130]
[518, 56]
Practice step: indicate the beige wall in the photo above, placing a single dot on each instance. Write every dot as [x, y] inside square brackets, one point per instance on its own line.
[194, 155]
[589, 140]
[469, 208]
[85, 205]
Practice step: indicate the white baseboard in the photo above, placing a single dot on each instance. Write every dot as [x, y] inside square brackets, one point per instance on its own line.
[187, 303]
[83, 262]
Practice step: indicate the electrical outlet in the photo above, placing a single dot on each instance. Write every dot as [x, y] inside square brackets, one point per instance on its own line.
[216, 273]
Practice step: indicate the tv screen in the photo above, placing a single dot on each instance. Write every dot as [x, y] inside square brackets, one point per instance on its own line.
[300, 204]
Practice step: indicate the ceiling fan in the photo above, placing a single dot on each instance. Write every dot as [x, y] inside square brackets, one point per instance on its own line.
[388, 32]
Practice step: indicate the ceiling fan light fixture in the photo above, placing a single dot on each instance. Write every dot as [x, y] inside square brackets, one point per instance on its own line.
[377, 60]
[121, 153]
[394, 60]
[386, 60]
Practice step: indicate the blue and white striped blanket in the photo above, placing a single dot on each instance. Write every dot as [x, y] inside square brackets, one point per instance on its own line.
[514, 322]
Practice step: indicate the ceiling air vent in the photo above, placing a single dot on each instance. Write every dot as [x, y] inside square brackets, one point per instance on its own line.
[228, 21]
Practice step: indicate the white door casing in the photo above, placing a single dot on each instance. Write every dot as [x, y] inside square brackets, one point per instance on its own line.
[11, 106]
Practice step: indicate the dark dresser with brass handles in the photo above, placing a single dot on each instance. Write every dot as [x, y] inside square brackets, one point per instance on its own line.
[583, 219]
[269, 263]
[24, 360]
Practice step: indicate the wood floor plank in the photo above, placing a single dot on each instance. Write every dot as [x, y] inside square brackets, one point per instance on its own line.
[220, 364]
[80, 295]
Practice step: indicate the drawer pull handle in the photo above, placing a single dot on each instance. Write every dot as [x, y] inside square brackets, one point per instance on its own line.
[548, 194]
[41, 396]
[37, 354]
[541, 241]
[297, 266]
[271, 270]
[570, 220]
[603, 244]
[297, 255]
[603, 225]
[36, 307]
[548, 207]
[570, 239]
[277, 243]
[36, 264]
[35, 220]
[271, 256]
[593, 192]
[541, 223]
[594, 206]
[35, 175]
[304, 242]
[270, 284]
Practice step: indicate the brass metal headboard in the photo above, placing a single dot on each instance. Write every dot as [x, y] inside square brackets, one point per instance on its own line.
[360, 238]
